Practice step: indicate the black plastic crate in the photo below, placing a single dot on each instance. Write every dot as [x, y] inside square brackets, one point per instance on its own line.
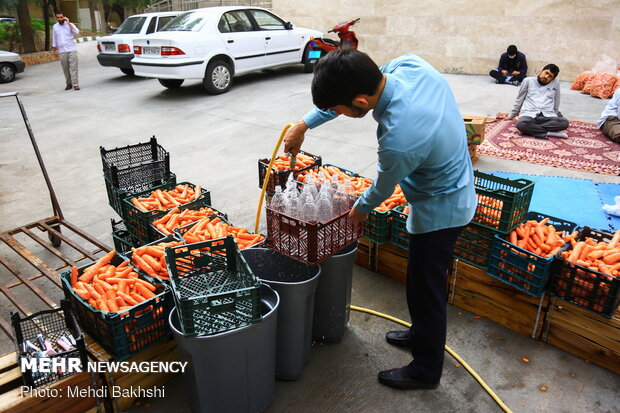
[133, 165]
[139, 222]
[213, 287]
[502, 203]
[116, 195]
[123, 240]
[521, 268]
[280, 177]
[583, 286]
[400, 237]
[473, 245]
[50, 325]
[127, 332]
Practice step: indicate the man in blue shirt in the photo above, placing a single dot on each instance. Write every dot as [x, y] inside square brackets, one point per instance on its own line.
[609, 123]
[423, 147]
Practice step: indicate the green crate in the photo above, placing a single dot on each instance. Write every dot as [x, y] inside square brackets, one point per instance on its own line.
[521, 268]
[502, 203]
[378, 226]
[473, 245]
[181, 209]
[116, 195]
[125, 333]
[139, 222]
[400, 237]
[213, 287]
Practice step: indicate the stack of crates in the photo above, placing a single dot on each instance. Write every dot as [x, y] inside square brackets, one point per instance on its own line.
[130, 170]
[503, 204]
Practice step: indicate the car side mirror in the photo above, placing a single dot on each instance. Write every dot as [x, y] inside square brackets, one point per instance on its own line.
[288, 26]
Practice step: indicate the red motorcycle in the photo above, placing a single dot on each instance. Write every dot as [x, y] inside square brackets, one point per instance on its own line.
[319, 47]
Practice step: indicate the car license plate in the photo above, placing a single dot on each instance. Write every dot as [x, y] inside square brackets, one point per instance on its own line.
[109, 47]
[314, 54]
[150, 50]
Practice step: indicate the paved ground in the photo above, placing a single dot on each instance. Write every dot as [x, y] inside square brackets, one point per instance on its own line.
[215, 141]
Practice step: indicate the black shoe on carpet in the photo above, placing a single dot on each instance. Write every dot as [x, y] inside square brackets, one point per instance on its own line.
[68, 86]
[400, 338]
[399, 379]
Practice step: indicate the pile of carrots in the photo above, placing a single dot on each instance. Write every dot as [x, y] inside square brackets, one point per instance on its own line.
[110, 288]
[175, 218]
[358, 183]
[161, 200]
[539, 238]
[152, 259]
[213, 228]
[602, 256]
[283, 162]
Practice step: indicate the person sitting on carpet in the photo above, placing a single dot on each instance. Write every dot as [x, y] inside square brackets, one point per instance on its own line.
[609, 123]
[512, 67]
[538, 104]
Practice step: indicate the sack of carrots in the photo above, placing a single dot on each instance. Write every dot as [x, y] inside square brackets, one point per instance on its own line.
[281, 168]
[589, 272]
[175, 218]
[151, 259]
[109, 296]
[214, 227]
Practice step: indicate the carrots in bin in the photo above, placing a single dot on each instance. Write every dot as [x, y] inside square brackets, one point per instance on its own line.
[213, 228]
[283, 162]
[110, 288]
[165, 199]
[176, 218]
[539, 238]
[152, 259]
[600, 256]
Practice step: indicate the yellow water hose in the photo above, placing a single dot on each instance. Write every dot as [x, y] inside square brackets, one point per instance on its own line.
[471, 371]
[366, 310]
[268, 175]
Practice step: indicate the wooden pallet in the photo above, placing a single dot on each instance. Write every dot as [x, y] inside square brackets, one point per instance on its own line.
[11, 399]
[584, 334]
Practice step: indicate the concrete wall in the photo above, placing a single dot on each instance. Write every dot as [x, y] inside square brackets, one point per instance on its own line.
[468, 36]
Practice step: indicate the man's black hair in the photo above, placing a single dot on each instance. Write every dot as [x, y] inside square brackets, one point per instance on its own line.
[59, 12]
[343, 74]
[512, 50]
[553, 69]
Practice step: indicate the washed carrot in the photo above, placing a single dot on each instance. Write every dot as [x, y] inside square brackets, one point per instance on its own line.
[74, 276]
[165, 199]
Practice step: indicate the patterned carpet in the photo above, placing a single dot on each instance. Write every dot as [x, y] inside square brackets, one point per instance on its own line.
[586, 149]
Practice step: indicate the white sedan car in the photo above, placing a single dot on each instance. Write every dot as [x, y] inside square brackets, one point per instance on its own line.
[216, 43]
[117, 50]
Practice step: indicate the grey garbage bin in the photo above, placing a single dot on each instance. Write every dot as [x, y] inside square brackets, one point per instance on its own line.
[333, 296]
[295, 283]
[233, 371]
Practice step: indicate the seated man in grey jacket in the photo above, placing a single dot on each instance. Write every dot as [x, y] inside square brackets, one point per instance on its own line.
[538, 106]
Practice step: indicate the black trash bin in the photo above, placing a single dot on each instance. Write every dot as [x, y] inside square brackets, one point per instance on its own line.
[233, 371]
[296, 283]
[333, 296]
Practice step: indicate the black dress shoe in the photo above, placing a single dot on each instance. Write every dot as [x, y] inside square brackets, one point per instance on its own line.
[401, 338]
[399, 379]
[68, 86]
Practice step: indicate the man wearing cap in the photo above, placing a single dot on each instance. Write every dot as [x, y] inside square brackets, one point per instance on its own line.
[512, 67]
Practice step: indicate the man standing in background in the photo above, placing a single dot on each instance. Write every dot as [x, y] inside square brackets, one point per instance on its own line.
[63, 44]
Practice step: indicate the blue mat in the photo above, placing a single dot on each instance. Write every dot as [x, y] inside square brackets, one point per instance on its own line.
[608, 192]
[572, 199]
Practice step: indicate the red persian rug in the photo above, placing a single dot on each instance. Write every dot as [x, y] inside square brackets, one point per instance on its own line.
[586, 148]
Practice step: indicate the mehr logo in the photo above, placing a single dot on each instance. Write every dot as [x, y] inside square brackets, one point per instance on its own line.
[51, 365]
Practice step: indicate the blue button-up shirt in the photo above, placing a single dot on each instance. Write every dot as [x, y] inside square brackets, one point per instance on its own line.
[422, 146]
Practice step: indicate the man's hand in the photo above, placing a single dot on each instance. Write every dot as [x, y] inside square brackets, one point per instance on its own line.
[55, 50]
[505, 72]
[357, 216]
[516, 73]
[294, 137]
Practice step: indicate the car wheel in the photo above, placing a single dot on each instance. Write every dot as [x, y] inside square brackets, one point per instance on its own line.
[171, 83]
[7, 73]
[128, 72]
[218, 77]
[308, 64]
